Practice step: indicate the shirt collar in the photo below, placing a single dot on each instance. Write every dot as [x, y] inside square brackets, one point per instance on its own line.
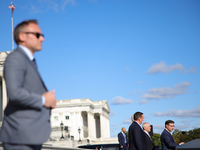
[27, 51]
[146, 132]
[137, 123]
[168, 130]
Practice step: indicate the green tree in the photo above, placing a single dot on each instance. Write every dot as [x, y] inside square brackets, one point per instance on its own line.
[127, 134]
[186, 136]
[194, 134]
[156, 139]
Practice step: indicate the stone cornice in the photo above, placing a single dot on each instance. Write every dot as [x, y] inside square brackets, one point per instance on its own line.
[93, 105]
[74, 105]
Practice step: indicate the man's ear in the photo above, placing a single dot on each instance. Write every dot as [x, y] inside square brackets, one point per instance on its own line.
[22, 37]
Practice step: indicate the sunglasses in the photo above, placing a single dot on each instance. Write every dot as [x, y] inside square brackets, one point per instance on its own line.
[36, 34]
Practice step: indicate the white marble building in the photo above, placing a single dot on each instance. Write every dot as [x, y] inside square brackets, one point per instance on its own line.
[3, 93]
[91, 117]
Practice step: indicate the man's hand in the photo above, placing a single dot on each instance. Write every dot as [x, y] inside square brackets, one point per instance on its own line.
[181, 143]
[121, 146]
[50, 99]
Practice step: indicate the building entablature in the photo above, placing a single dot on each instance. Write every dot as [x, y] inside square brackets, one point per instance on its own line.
[84, 104]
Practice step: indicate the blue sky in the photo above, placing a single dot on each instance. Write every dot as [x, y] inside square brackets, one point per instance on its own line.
[137, 55]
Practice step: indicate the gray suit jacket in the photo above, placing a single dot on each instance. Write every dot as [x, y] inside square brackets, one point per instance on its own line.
[25, 121]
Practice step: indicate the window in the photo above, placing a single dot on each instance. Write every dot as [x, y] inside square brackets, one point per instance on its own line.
[56, 118]
[66, 117]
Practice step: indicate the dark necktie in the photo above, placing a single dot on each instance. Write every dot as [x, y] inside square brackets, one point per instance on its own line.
[150, 137]
[34, 62]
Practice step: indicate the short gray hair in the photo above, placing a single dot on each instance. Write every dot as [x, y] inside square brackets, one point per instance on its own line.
[144, 124]
[132, 118]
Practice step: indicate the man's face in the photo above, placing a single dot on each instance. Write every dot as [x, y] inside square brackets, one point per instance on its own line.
[141, 119]
[123, 129]
[147, 127]
[30, 40]
[170, 127]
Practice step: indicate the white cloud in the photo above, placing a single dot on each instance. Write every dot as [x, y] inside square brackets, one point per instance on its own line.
[127, 121]
[141, 82]
[160, 128]
[167, 92]
[45, 5]
[191, 70]
[127, 69]
[182, 127]
[164, 68]
[180, 113]
[92, 1]
[118, 100]
[34, 10]
[143, 101]
[112, 113]
[65, 2]
[185, 121]
[135, 92]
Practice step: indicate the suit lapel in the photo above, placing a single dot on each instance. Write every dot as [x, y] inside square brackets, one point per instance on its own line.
[148, 137]
[32, 64]
[171, 137]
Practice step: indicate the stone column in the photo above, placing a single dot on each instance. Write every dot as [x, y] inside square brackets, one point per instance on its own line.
[5, 98]
[1, 100]
[102, 125]
[79, 124]
[4, 95]
[91, 125]
[108, 128]
[73, 124]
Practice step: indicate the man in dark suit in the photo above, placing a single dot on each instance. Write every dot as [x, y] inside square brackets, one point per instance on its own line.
[167, 141]
[26, 123]
[122, 138]
[137, 139]
[147, 128]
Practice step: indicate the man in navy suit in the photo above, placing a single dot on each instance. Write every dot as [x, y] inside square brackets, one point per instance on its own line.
[167, 141]
[26, 123]
[122, 138]
[147, 128]
[137, 139]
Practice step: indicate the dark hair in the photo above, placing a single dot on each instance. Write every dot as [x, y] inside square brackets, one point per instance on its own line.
[168, 122]
[21, 26]
[137, 115]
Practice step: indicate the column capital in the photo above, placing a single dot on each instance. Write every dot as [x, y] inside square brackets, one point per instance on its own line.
[105, 115]
[89, 112]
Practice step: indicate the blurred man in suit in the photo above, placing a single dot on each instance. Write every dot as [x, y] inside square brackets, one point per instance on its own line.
[147, 128]
[122, 138]
[26, 123]
[167, 141]
[137, 139]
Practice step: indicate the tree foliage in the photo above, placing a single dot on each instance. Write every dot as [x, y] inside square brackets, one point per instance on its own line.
[156, 139]
[186, 136]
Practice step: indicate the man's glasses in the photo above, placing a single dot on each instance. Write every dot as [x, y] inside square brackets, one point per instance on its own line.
[36, 34]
